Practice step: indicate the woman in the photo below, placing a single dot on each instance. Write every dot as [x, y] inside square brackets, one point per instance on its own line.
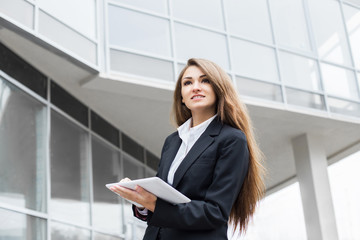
[213, 159]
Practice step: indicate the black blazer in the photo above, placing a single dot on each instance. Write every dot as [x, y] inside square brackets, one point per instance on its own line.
[211, 175]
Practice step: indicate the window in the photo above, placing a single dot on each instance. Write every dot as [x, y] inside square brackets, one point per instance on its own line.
[67, 11]
[127, 29]
[249, 19]
[23, 146]
[305, 99]
[159, 6]
[352, 16]
[259, 89]
[136, 64]
[344, 182]
[194, 12]
[61, 231]
[290, 24]
[70, 199]
[254, 61]
[21, 226]
[67, 37]
[299, 71]
[106, 166]
[199, 43]
[339, 81]
[329, 31]
[20, 10]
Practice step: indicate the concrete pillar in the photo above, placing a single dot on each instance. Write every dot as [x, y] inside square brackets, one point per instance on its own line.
[311, 168]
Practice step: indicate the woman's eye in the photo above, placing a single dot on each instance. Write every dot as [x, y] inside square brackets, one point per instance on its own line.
[205, 80]
[187, 83]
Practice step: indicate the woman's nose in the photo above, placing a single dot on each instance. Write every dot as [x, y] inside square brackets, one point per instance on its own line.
[196, 86]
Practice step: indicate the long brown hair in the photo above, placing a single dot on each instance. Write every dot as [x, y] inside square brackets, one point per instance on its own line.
[234, 113]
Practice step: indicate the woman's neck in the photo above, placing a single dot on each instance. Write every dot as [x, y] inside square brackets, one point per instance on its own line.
[201, 117]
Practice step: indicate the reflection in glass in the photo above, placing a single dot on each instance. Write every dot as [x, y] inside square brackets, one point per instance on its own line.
[305, 99]
[339, 81]
[180, 67]
[249, 19]
[194, 12]
[66, 37]
[18, 226]
[159, 6]
[352, 16]
[344, 107]
[279, 216]
[99, 236]
[344, 182]
[66, 232]
[67, 11]
[140, 231]
[22, 149]
[290, 25]
[355, 2]
[134, 170]
[299, 71]
[107, 209]
[329, 31]
[127, 30]
[149, 173]
[104, 129]
[132, 147]
[254, 61]
[151, 160]
[141, 65]
[259, 89]
[20, 10]
[199, 43]
[23, 72]
[69, 104]
[69, 171]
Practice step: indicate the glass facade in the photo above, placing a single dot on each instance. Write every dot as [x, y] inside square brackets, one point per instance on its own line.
[56, 156]
[59, 154]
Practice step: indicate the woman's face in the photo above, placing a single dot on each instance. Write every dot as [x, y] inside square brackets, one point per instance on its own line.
[197, 92]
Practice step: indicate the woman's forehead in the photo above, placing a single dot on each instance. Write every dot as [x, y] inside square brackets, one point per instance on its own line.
[193, 71]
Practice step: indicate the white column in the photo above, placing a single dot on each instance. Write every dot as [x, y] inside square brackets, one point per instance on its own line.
[311, 168]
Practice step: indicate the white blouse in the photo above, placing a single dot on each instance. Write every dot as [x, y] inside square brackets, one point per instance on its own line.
[188, 136]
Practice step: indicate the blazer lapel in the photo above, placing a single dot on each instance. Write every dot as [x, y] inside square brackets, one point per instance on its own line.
[169, 155]
[200, 146]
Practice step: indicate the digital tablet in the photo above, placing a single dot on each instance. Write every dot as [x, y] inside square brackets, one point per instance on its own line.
[157, 187]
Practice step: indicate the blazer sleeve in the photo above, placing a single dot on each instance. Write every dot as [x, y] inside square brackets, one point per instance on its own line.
[214, 210]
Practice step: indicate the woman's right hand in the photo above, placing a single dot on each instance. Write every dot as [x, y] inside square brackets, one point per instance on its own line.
[139, 195]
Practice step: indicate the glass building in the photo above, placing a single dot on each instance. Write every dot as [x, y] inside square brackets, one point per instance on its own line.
[86, 94]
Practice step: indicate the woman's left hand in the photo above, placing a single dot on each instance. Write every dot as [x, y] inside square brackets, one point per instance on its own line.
[139, 195]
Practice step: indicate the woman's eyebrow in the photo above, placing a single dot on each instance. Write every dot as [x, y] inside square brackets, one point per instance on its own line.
[191, 77]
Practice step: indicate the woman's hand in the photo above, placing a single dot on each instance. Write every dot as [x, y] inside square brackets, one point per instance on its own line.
[139, 195]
